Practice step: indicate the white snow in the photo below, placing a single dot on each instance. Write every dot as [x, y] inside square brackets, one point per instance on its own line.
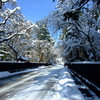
[6, 73]
[24, 58]
[86, 62]
[63, 86]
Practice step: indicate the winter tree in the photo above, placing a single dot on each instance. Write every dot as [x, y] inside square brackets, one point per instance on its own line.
[42, 43]
[15, 31]
[79, 21]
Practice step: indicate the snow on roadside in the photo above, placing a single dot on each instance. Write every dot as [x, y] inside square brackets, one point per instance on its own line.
[64, 89]
[4, 74]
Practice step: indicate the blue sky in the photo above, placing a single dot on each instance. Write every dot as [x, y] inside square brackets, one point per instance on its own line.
[36, 10]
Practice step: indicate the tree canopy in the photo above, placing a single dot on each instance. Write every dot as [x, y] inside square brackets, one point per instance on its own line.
[19, 37]
[79, 21]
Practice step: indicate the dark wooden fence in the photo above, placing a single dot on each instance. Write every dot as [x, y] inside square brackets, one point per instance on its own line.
[88, 70]
[7, 66]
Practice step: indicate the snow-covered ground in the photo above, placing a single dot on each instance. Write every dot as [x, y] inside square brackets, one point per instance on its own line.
[43, 83]
[4, 74]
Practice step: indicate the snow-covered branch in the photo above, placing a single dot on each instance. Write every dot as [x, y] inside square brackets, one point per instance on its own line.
[5, 52]
[9, 37]
[82, 17]
[9, 15]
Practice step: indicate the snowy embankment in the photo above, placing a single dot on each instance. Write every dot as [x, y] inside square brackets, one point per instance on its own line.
[44, 83]
[4, 74]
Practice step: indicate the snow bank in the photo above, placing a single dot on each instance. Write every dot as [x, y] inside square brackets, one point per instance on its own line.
[6, 73]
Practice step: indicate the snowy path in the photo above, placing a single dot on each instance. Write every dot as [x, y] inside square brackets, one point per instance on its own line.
[44, 83]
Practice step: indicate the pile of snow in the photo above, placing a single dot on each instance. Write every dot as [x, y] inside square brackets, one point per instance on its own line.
[4, 74]
[7, 73]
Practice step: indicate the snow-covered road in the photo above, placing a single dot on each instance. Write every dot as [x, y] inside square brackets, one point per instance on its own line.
[43, 83]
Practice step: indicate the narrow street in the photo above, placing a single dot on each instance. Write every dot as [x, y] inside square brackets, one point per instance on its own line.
[44, 83]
